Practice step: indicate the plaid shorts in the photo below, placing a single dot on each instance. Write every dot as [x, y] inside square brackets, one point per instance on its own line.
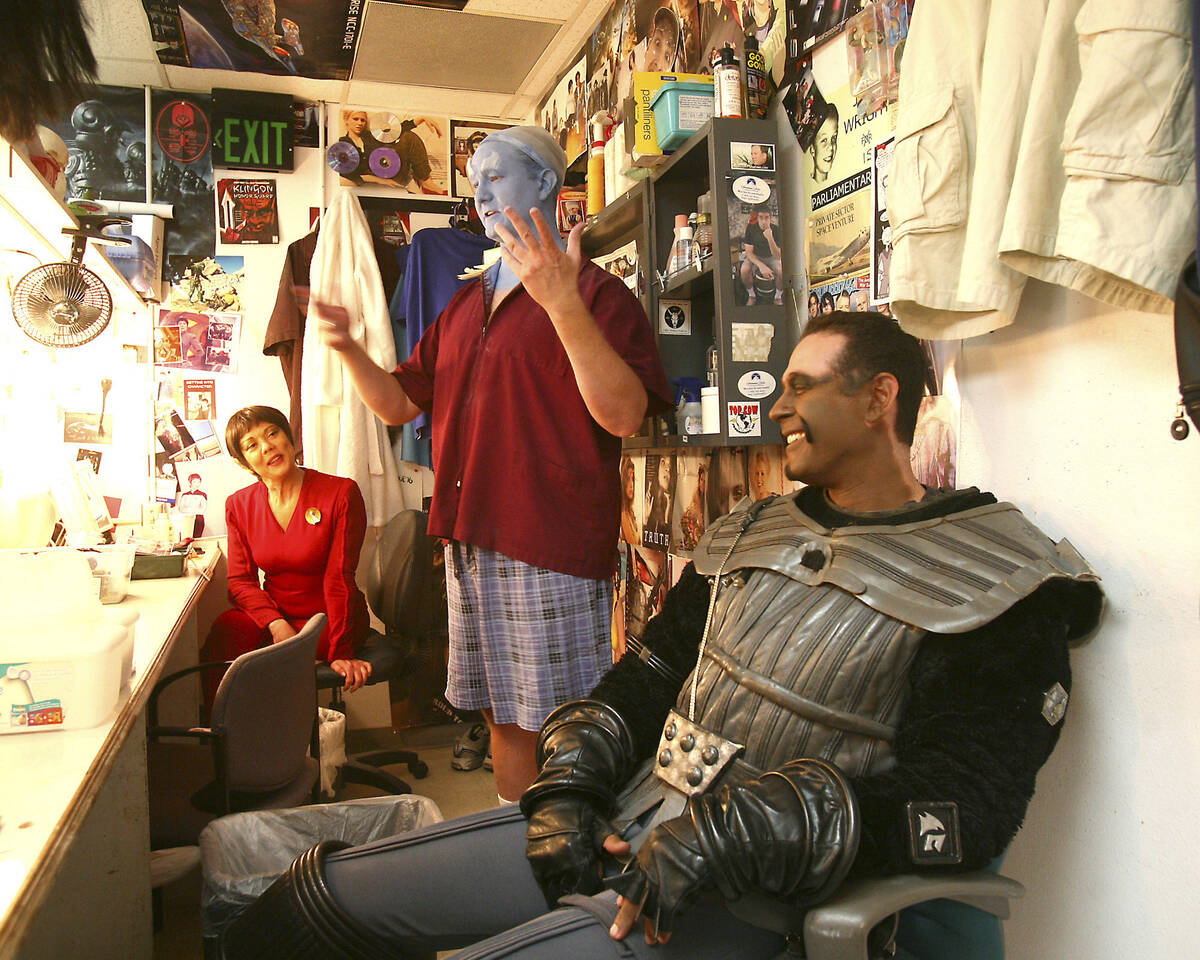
[522, 639]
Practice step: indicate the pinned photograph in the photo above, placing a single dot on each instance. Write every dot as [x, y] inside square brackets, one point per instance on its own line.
[166, 483]
[91, 456]
[87, 427]
[199, 399]
[166, 344]
[465, 138]
[752, 156]
[754, 231]
[404, 151]
[171, 433]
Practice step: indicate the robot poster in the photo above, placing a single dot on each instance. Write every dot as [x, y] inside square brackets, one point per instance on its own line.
[299, 38]
[247, 211]
[106, 145]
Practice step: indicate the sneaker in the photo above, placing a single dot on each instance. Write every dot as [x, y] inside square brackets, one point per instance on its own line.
[472, 748]
[487, 761]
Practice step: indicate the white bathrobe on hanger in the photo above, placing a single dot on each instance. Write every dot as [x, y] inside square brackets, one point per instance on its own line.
[341, 435]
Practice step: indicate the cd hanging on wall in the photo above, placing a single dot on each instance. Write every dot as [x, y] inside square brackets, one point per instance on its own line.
[342, 157]
[388, 130]
[384, 162]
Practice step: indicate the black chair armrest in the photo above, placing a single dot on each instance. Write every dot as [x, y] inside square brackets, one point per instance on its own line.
[203, 734]
[152, 705]
[837, 929]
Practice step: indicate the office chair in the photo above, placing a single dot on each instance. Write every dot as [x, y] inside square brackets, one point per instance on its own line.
[853, 923]
[254, 754]
[400, 589]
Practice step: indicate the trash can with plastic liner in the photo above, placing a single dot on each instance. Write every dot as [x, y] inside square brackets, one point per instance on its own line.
[244, 853]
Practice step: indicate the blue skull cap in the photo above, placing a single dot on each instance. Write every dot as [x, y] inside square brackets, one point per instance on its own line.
[538, 145]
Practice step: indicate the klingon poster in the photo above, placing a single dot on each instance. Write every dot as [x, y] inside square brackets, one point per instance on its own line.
[247, 211]
[838, 165]
[299, 38]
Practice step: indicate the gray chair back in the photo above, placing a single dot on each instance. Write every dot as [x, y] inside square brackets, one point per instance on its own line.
[265, 708]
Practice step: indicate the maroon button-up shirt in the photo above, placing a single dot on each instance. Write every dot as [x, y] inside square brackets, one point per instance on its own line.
[520, 466]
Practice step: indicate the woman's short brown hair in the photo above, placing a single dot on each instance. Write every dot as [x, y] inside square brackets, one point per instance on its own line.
[246, 420]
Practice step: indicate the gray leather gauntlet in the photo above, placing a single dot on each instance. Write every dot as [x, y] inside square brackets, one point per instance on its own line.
[792, 833]
[585, 752]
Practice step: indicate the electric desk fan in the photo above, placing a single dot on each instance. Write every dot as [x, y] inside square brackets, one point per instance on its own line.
[65, 304]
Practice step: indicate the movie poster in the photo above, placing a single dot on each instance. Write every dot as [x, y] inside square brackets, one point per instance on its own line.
[838, 167]
[465, 138]
[726, 481]
[247, 211]
[633, 506]
[691, 490]
[659, 494]
[935, 443]
[106, 145]
[564, 113]
[299, 38]
[407, 152]
[181, 142]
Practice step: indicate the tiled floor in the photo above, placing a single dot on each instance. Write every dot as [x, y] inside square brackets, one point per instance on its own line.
[455, 792]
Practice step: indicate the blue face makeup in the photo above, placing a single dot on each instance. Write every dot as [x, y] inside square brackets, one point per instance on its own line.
[501, 178]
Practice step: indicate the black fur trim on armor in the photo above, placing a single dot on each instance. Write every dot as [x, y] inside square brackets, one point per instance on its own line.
[642, 696]
[973, 730]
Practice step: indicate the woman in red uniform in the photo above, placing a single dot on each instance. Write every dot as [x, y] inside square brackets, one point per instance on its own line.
[304, 531]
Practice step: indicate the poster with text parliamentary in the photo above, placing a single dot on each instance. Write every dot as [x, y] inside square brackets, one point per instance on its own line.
[838, 170]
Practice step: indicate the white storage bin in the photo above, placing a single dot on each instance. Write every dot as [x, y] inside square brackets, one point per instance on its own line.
[63, 658]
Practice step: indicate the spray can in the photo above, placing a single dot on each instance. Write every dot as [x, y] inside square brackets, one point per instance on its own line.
[727, 82]
[757, 96]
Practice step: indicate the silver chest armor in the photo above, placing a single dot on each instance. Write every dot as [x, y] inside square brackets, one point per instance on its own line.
[813, 633]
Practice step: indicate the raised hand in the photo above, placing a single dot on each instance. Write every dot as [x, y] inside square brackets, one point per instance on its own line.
[549, 274]
[333, 325]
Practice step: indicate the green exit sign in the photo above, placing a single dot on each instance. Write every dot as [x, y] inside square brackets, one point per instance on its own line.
[252, 131]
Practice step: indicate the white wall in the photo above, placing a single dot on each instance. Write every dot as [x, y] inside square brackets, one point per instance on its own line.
[1066, 414]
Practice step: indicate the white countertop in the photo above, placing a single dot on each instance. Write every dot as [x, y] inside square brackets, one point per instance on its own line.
[51, 778]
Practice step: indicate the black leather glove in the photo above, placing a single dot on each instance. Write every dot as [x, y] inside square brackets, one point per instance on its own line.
[791, 833]
[585, 752]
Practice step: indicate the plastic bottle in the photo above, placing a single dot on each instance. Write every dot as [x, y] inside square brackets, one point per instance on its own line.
[727, 83]
[702, 240]
[710, 410]
[757, 95]
[681, 246]
[595, 166]
[687, 409]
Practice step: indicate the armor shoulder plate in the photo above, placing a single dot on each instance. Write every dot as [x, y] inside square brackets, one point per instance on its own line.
[945, 575]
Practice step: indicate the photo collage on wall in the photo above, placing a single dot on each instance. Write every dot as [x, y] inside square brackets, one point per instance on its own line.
[672, 36]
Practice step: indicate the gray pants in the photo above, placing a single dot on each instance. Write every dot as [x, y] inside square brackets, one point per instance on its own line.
[465, 884]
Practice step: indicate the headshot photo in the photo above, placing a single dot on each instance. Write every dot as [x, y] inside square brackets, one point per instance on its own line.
[823, 150]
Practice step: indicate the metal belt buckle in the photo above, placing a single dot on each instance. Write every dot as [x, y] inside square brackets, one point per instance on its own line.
[689, 757]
